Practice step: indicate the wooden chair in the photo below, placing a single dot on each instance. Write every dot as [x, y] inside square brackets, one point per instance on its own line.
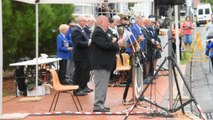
[59, 88]
[122, 67]
[125, 66]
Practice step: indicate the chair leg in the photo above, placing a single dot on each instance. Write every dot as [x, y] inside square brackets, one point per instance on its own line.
[79, 103]
[56, 100]
[53, 101]
[74, 101]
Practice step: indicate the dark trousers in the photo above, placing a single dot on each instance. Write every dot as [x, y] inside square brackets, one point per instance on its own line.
[62, 71]
[81, 74]
[20, 78]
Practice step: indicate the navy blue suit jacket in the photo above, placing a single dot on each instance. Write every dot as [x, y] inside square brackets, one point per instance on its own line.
[80, 41]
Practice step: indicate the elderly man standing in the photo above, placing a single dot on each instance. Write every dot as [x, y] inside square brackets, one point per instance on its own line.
[103, 51]
[81, 56]
[148, 47]
[90, 26]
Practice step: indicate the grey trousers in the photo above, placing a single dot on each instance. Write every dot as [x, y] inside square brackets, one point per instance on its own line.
[101, 78]
[69, 70]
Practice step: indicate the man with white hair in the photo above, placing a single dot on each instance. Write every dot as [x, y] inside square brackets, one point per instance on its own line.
[63, 51]
[103, 51]
[81, 57]
[116, 19]
[90, 26]
[148, 47]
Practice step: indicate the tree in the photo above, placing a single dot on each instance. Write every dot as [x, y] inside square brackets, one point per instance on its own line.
[19, 29]
[57, 15]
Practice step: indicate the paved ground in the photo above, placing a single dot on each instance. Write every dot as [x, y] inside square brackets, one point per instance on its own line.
[158, 93]
[199, 79]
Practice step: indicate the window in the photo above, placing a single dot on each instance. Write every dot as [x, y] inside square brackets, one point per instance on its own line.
[88, 10]
[207, 11]
[78, 9]
[200, 11]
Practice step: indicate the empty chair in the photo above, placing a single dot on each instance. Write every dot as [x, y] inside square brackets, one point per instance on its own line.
[125, 60]
[59, 88]
[122, 67]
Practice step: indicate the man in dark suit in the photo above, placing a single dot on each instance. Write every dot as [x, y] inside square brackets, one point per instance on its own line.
[148, 47]
[103, 51]
[90, 26]
[81, 57]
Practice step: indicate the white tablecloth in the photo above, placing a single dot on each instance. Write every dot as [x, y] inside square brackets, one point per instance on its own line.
[33, 62]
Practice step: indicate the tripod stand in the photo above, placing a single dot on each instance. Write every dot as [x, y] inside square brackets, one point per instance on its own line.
[172, 66]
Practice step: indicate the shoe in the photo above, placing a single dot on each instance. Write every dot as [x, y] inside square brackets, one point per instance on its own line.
[79, 93]
[101, 110]
[89, 88]
[182, 49]
[86, 90]
[107, 108]
[146, 82]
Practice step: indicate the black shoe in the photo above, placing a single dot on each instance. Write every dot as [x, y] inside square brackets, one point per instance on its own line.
[89, 88]
[101, 110]
[79, 93]
[107, 108]
[86, 90]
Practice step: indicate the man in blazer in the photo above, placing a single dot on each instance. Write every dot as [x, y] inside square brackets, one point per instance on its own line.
[90, 26]
[148, 46]
[81, 57]
[103, 51]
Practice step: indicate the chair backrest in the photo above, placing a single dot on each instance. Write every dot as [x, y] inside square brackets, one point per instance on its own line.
[125, 66]
[55, 79]
[126, 59]
[118, 62]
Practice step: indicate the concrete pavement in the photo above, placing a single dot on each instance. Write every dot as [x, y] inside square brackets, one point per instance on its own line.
[199, 77]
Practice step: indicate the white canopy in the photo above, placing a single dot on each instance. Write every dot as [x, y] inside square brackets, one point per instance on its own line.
[78, 1]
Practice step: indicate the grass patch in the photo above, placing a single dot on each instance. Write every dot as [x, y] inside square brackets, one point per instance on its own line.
[185, 57]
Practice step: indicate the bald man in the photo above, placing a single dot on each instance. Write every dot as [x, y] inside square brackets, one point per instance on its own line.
[103, 51]
[81, 57]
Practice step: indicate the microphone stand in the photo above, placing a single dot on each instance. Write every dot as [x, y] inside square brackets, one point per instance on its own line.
[137, 70]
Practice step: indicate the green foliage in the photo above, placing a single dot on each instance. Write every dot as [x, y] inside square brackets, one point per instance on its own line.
[185, 57]
[55, 15]
[207, 1]
[19, 29]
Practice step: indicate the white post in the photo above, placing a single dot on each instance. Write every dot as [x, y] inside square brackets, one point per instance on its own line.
[177, 35]
[36, 5]
[122, 6]
[188, 4]
[1, 58]
[94, 9]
